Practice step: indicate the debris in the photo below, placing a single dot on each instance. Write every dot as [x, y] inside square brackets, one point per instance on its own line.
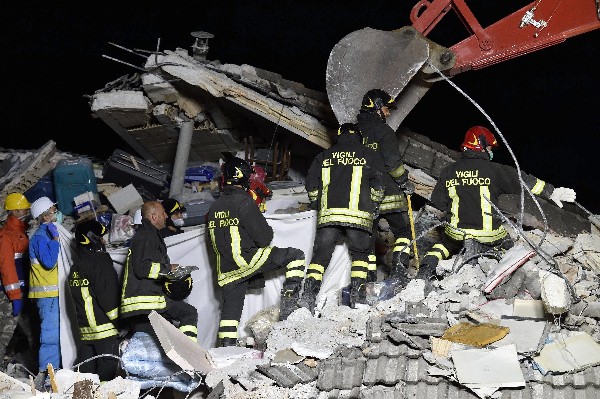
[477, 335]
[511, 261]
[555, 293]
[486, 370]
[568, 354]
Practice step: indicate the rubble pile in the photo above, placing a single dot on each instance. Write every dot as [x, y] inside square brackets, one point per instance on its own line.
[523, 338]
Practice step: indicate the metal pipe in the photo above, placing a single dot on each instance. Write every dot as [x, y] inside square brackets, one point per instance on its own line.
[181, 157]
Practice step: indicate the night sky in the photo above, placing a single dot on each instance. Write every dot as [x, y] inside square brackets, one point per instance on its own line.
[544, 103]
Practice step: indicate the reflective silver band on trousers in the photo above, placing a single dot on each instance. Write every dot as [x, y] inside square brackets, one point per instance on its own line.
[18, 255]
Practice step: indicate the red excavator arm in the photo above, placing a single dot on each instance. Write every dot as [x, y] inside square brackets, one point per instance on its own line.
[404, 59]
[538, 25]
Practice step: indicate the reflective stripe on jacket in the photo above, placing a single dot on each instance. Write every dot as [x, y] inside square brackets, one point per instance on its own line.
[239, 234]
[380, 137]
[146, 261]
[94, 287]
[346, 181]
[466, 187]
[43, 254]
[13, 242]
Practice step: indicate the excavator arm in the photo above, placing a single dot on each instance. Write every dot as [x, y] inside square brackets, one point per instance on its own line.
[401, 61]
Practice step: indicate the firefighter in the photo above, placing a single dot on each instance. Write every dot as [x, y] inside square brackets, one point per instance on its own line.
[14, 245]
[175, 220]
[465, 191]
[240, 237]
[344, 185]
[379, 136]
[147, 266]
[44, 248]
[94, 287]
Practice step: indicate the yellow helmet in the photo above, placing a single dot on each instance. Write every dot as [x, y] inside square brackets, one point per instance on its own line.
[16, 201]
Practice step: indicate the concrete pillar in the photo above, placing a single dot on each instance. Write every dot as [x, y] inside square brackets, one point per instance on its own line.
[181, 158]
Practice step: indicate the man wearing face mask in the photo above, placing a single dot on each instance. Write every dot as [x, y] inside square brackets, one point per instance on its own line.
[14, 244]
[44, 248]
[175, 212]
[465, 192]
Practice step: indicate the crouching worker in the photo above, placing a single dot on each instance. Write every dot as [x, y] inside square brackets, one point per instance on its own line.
[465, 193]
[94, 287]
[147, 267]
[240, 237]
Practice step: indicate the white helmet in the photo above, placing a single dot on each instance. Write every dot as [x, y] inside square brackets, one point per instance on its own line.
[40, 206]
[137, 216]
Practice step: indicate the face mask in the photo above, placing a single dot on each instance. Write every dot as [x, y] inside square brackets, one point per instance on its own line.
[178, 222]
[491, 154]
[59, 217]
[25, 218]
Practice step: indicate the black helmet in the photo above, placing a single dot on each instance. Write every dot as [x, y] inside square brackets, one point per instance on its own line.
[172, 206]
[348, 128]
[375, 99]
[237, 171]
[178, 290]
[89, 234]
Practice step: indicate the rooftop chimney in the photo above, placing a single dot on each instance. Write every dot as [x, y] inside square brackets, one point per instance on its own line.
[200, 46]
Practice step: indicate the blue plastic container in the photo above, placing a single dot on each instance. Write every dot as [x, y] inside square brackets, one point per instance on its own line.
[43, 188]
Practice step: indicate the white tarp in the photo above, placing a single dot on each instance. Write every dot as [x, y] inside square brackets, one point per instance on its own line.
[189, 248]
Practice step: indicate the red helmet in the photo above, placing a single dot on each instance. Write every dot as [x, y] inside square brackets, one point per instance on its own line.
[478, 138]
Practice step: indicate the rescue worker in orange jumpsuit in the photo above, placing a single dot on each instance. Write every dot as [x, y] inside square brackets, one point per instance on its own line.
[14, 245]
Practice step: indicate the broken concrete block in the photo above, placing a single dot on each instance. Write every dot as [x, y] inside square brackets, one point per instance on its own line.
[569, 354]
[586, 250]
[555, 293]
[531, 308]
[125, 199]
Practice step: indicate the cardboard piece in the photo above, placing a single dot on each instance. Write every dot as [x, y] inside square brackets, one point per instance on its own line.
[511, 261]
[478, 335]
[184, 352]
[570, 354]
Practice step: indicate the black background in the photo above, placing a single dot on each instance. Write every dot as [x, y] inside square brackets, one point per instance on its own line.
[544, 103]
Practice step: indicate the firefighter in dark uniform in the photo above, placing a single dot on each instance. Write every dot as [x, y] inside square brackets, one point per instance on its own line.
[175, 220]
[146, 270]
[379, 136]
[465, 191]
[344, 185]
[240, 237]
[94, 287]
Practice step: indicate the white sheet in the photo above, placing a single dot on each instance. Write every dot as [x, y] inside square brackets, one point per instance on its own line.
[189, 248]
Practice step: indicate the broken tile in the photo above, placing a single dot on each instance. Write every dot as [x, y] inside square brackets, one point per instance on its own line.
[524, 334]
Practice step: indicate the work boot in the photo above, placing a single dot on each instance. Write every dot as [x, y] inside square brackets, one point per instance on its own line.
[400, 268]
[228, 342]
[289, 299]
[309, 295]
[358, 292]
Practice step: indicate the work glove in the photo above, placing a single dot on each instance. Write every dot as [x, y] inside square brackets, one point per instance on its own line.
[17, 305]
[562, 194]
[52, 230]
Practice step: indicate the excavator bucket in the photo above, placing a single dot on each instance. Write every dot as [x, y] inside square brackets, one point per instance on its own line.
[395, 61]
